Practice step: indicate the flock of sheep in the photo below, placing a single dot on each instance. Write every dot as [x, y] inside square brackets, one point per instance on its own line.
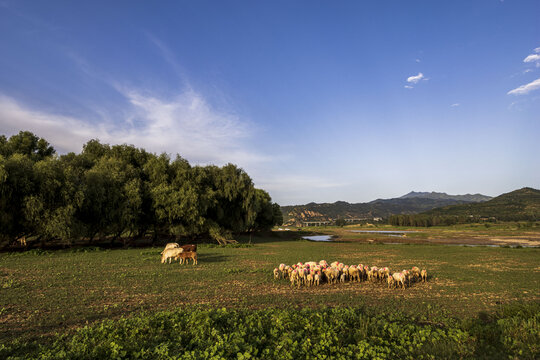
[313, 273]
[173, 252]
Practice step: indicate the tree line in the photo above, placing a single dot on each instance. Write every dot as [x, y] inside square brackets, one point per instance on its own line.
[120, 192]
[424, 220]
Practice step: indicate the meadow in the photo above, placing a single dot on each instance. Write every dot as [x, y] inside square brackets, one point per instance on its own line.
[46, 296]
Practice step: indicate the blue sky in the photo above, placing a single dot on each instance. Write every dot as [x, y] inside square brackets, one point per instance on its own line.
[317, 101]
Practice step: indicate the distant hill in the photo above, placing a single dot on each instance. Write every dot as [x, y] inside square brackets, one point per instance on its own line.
[444, 196]
[522, 204]
[411, 203]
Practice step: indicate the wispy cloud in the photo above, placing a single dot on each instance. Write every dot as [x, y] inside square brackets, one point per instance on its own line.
[533, 58]
[417, 60]
[185, 124]
[408, 87]
[169, 57]
[415, 78]
[455, 105]
[525, 89]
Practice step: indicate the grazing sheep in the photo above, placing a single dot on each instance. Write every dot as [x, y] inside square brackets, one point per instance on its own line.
[380, 274]
[332, 274]
[302, 276]
[312, 273]
[423, 274]
[309, 279]
[170, 254]
[386, 272]
[282, 270]
[399, 278]
[294, 278]
[373, 273]
[317, 278]
[354, 273]
[390, 281]
[364, 272]
[415, 271]
[407, 276]
[170, 246]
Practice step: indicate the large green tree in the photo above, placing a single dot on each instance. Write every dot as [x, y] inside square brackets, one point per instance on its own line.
[121, 191]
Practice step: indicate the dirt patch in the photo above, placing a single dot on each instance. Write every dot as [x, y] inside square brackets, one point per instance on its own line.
[507, 240]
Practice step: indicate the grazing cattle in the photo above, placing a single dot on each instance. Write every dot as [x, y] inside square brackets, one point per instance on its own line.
[170, 254]
[185, 256]
[189, 247]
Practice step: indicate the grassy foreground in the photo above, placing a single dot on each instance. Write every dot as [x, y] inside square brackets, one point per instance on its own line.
[48, 293]
[337, 333]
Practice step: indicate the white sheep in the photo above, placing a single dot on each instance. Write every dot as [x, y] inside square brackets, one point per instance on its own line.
[354, 273]
[423, 274]
[415, 271]
[390, 281]
[309, 279]
[170, 254]
[399, 278]
[170, 246]
[317, 278]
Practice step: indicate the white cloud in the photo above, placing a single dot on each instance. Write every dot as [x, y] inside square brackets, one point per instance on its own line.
[537, 50]
[417, 60]
[525, 89]
[455, 105]
[532, 58]
[185, 124]
[408, 87]
[415, 79]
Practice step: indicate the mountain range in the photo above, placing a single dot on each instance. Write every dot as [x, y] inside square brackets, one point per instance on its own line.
[439, 196]
[411, 203]
[522, 204]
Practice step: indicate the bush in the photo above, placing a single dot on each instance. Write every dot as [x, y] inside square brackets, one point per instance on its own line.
[331, 333]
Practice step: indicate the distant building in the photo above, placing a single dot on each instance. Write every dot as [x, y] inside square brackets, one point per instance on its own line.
[314, 223]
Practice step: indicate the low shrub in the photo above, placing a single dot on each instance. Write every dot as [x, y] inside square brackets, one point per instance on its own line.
[330, 333]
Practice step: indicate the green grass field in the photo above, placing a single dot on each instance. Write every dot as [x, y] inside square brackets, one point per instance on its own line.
[43, 293]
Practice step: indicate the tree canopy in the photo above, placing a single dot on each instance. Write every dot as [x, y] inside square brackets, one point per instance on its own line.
[119, 191]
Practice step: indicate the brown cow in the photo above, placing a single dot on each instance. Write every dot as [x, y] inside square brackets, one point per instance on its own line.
[189, 247]
[185, 256]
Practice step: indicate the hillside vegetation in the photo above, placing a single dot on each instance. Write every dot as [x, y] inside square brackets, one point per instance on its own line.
[518, 205]
[439, 195]
[515, 205]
